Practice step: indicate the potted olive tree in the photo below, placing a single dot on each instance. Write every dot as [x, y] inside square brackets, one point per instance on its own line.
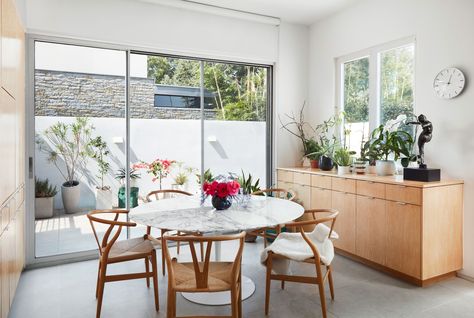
[387, 146]
[103, 193]
[44, 199]
[68, 148]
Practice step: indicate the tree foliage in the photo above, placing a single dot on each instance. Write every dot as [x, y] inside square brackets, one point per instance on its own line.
[240, 90]
[396, 86]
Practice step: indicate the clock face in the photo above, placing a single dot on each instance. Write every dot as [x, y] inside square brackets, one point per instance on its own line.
[449, 83]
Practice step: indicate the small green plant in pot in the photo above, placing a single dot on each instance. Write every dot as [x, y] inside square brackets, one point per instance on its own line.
[389, 144]
[343, 159]
[181, 177]
[247, 184]
[121, 176]
[44, 198]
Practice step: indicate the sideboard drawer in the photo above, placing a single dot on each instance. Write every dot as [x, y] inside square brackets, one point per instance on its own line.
[344, 185]
[302, 178]
[371, 189]
[403, 193]
[285, 176]
[321, 181]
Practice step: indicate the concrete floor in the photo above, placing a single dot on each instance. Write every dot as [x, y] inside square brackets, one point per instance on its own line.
[68, 291]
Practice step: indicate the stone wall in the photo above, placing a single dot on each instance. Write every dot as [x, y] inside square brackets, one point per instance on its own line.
[71, 94]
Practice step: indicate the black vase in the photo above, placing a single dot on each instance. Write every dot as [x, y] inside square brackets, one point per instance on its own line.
[326, 163]
[221, 203]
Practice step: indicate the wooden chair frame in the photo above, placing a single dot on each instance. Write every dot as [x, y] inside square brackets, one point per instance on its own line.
[201, 271]
[105, 246]
[320, 279]
[262, 232]
[156, 194]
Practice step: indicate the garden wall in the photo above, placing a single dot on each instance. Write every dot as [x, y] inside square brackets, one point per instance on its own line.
[229, 146]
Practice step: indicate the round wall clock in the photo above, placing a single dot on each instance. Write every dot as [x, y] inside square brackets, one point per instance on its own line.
[449, 83]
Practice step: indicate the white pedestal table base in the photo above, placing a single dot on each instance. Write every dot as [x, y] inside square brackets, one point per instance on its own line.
[221, 298]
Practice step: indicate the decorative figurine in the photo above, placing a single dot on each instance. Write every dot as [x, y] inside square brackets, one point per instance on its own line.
[425, 136]
[422, 173]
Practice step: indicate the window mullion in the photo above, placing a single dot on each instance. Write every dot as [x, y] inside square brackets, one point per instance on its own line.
[374, 90]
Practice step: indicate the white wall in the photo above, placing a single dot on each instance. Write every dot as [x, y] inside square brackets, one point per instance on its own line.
[443, 38]
[238, 145]
[153, 26]
[291, 89]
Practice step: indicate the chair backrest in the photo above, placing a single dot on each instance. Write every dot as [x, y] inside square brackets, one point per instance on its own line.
[165, 194]
[110, 218]
[330, 216]
[201, 269]
[277, 193]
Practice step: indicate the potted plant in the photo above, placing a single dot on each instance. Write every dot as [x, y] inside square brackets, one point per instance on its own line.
[299, 128]
[207, 176]
[68, 148]
[121, 176]
[181, 178]
[369, 154]
[103, 193]
[327, 141]
[386, 143]
[158, 168]
[343, 160]
[312, 150]
[44, 199]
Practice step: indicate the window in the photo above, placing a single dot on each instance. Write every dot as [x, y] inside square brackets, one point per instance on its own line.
[374, 87]
[182, 97]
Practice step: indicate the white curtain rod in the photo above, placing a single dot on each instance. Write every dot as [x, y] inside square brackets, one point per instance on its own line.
[216, 10]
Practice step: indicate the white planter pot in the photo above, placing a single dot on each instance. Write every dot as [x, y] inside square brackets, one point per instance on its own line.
[385, 167]
[71, 196]
[343, 170]
[103, 199]
[371, 169]
[44, 208]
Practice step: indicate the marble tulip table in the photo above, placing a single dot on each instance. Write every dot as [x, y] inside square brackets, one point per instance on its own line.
[186, 214]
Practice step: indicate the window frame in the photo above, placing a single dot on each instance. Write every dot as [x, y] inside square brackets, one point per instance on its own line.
[374, 56]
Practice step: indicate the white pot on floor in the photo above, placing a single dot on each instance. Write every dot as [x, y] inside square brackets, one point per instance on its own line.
[103, 199]
[71, 195]
[44, 208]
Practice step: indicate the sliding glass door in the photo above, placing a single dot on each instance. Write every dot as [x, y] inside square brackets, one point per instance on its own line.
[80, 129]
[171, 120]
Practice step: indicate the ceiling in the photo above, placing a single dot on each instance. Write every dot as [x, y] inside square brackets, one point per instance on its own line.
[295, 11]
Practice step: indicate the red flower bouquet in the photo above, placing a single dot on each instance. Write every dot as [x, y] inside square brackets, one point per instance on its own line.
[221, 192]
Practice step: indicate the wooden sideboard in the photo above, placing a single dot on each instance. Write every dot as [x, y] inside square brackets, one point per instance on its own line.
[12, 150]
[410, 229]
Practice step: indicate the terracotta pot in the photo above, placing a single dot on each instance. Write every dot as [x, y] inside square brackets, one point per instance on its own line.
[314, 164]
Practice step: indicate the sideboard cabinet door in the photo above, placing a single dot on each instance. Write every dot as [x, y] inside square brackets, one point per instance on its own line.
[345, 225]
[371, 229]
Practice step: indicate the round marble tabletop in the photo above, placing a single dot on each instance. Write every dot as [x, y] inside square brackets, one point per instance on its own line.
[186, 214]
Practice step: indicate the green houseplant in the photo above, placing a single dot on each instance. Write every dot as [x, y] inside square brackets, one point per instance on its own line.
[343, 160]
[121, 176]
[385, 144]
[68, 148]
[44, 198]
[181, 177]
[312, 150]
[247, 184]
[103, 193]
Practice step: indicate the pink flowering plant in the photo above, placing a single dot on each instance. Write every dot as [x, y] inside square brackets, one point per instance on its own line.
[159, 168]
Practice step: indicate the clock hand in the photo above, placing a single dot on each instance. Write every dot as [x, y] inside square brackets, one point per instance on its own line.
[449, 80]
